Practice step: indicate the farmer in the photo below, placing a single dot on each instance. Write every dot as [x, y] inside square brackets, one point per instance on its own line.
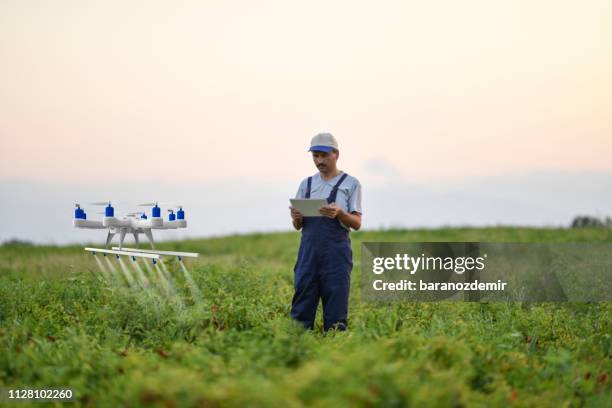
[325, 258]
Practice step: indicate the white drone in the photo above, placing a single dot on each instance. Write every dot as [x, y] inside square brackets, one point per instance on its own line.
[134, 223]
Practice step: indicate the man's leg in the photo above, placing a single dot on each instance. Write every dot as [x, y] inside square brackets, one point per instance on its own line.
[335, 285]
[306, 296]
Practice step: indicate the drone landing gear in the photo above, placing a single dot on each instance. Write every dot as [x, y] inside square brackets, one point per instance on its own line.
[109, 238]
[122, 234]
[149, 235]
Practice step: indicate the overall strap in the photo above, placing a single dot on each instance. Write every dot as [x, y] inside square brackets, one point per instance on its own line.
[332, 195]
[308, 188]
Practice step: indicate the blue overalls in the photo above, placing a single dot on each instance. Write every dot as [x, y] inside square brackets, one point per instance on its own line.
[323, 269]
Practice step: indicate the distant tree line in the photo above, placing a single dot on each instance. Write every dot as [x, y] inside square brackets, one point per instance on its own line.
[16, 243]
[586, 221]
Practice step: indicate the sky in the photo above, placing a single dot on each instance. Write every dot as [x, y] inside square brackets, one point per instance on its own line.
[230, 92]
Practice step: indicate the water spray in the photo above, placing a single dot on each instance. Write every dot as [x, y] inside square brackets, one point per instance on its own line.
[126, 272]
[103, 269]
[111, 267]
[140, 273]
[195, 291]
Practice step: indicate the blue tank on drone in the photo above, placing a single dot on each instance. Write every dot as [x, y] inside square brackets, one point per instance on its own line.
[143, 216]
[79, 214]
[156, 211]
[109, 211]
[171, 216]
[180, 214]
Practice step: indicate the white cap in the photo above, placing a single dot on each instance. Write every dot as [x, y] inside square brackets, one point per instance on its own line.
[323, 142]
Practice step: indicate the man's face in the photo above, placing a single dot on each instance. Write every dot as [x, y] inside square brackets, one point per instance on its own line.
[324, 160]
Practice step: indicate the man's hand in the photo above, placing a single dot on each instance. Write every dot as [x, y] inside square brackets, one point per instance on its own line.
[352, 220]
[330, 210]
[296, 217]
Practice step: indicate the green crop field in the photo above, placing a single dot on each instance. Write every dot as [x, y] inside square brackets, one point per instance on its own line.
[63, 324]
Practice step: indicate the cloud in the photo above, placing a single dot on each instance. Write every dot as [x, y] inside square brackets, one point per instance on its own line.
[378, 169]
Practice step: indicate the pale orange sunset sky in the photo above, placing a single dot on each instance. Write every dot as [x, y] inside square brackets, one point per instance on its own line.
[226, 90]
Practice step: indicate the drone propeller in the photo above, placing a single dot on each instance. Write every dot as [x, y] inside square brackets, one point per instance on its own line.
[134, 214]
[158, 203]
[103, 203]
[104, 213]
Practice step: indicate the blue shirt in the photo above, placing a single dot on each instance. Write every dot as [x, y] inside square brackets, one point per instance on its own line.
[349, 192]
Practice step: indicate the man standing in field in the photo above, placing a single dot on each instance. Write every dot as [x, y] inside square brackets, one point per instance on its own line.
[325, 258]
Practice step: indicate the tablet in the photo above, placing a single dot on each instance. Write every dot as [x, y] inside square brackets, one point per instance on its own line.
[308, 207]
